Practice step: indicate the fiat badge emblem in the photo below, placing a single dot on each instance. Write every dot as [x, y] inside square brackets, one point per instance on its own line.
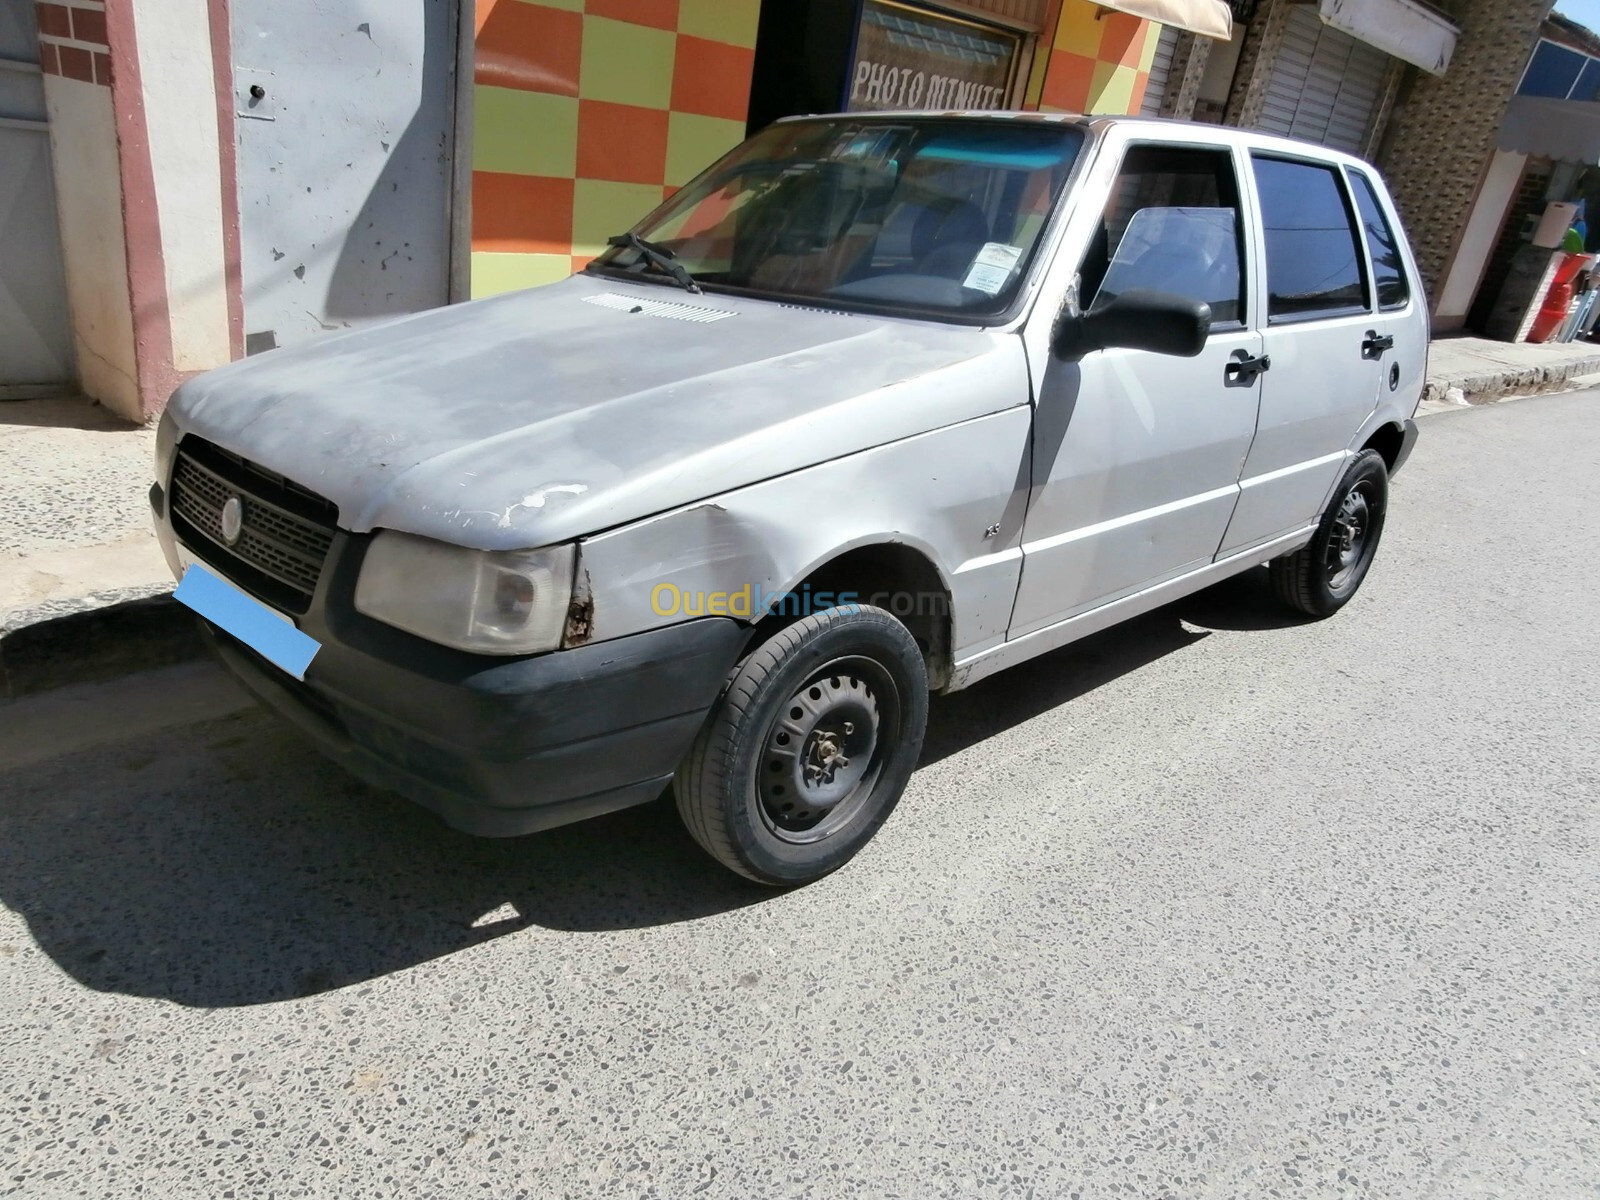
[232, 520]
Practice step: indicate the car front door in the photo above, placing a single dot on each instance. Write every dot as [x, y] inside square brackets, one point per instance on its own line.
[1320, 338]
[1136, 455]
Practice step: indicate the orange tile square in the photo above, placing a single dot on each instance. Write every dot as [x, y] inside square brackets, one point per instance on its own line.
[1140, 84]
[658, 14]
[1068, 81]
[1123, 41]
[712, 79]
[521, 214]
[532, 47]
[621, 142]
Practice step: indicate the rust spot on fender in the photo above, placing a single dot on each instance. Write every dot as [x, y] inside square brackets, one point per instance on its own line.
[580, 613]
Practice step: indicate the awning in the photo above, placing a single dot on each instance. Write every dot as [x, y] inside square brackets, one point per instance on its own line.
[1209, 18]
[1565, 130]
[1406, 29]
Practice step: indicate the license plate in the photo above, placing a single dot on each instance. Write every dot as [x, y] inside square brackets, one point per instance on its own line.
[265, 630]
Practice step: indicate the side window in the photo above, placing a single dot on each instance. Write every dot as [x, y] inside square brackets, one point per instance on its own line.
[1313, 257]
[1172, 225]
[1388, 272]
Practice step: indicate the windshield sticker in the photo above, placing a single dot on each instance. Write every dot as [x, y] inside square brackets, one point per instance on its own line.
[992, 268]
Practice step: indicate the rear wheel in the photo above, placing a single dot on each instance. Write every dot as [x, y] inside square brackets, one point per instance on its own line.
[1322, 576]
[808, 748]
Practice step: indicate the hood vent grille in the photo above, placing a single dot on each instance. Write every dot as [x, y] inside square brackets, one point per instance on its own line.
[658, 308]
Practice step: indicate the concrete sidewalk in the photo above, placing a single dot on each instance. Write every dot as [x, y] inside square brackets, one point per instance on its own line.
[83, 584]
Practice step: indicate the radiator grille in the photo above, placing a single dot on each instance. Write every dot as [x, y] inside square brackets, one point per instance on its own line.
[284, 534]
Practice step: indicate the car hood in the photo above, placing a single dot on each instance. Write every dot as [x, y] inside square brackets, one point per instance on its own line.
[548, 414]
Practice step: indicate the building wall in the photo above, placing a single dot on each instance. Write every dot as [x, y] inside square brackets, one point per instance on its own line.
[1443, 128]
[1099, 60]
[174, 40]
[137, 137]
[76, 60]
[587, 114]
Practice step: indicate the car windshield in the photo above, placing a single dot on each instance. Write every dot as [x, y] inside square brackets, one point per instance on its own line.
[925, 217]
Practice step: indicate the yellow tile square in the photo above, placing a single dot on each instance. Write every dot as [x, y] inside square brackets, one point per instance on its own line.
[1079, 30]
[601, 208]
[494, 273]
[1112, 89]
[627, 64]
[695, 142]
[731, 21]
[1152, 36]
[524, 133]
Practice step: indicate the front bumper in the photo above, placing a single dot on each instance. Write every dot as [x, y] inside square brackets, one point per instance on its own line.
[495, 746]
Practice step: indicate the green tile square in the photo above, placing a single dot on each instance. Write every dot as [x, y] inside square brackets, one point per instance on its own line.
[627, 64]
[731, 21]
[524, 133]
[695, 142]
[493, 273]
[601, 208]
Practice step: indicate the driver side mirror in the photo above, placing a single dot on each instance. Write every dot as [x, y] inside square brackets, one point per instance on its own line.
[1138, 319]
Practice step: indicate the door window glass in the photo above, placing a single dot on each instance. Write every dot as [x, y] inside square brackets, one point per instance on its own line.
[1172, 226]
[1313, 257]
[1388, 273]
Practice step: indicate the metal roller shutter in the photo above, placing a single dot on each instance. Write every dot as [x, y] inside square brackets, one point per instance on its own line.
[1160, 72]
[1325, 86]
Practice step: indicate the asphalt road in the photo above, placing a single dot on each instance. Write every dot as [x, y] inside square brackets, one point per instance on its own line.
[1216, 905]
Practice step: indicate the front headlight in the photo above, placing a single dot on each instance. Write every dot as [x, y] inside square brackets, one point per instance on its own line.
[487, 602]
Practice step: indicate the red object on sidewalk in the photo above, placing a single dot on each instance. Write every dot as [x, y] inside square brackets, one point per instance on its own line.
[1558, 300]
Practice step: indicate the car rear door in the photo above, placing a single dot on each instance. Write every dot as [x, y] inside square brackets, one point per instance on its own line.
[1324, 350]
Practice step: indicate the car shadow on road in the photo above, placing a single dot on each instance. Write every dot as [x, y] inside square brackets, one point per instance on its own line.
[226, 863]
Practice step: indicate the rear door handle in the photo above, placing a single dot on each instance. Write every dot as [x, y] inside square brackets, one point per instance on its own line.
[1376, 343]
[1243, 367]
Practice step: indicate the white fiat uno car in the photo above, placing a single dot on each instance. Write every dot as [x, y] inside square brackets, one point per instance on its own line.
[876, 406]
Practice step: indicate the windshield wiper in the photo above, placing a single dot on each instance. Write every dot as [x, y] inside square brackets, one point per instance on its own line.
[658, 256]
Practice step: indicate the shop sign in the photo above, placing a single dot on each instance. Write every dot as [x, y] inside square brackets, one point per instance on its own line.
[914, 58]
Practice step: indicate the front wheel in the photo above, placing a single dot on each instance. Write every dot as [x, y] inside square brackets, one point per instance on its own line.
[808, 748]
[1322, 576]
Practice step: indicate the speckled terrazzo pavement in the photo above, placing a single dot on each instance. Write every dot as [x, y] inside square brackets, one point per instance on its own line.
[75, 528]
[1212, 906]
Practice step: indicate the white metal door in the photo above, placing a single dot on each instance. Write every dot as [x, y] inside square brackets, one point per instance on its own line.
[345, 131]
[1160, 72]
[1325, 86]
[35, 323]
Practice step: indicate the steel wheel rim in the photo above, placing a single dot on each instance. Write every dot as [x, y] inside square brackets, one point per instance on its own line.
[1350, 537]
[825, 750]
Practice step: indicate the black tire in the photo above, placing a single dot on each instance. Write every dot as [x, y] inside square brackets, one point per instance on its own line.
[830, 711]
[1320, 578]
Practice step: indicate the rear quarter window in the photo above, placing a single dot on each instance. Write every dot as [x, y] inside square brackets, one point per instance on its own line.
[1388, 269]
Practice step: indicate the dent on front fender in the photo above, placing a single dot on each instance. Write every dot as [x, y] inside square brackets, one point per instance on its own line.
[955, 494]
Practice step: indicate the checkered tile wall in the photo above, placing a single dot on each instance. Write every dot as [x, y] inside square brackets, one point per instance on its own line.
[588, 113]
[1099, 60]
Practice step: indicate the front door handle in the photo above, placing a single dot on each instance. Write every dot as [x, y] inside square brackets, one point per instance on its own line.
[1243, 367]
[1376, 343]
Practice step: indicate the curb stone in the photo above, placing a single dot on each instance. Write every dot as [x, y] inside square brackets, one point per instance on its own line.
[1486, 386]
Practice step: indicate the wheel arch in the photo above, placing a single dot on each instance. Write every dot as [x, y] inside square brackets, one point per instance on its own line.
[896, 575]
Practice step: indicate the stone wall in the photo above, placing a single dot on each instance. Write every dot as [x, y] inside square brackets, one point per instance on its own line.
[1443, 129]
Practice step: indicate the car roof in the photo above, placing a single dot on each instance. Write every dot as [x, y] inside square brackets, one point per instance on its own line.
[1220, 135]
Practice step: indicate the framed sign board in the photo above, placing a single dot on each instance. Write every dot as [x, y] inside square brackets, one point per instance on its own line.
[908, 57]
